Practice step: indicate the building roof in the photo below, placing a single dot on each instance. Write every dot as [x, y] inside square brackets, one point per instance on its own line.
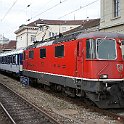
[86, 25]
[56, 22]
[34, 25]
[11, 45]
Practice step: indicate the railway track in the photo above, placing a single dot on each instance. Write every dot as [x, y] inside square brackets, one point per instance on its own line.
[20, 111]
[116, 114]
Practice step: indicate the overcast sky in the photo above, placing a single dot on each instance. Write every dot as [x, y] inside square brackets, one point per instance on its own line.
[14, 13]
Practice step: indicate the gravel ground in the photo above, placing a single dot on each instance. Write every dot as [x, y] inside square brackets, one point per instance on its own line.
[3, 117]
[65, 112]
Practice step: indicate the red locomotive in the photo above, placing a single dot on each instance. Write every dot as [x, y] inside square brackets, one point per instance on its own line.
[87, 65]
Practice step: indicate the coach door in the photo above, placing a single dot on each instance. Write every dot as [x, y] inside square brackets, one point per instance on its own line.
[80, 58]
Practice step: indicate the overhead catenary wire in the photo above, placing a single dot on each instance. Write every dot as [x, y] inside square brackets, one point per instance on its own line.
[49, 9]
[9, 10]
[81, 7]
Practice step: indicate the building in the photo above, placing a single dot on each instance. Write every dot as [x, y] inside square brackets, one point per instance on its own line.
[8, 46]
[25, 35]
[3, 40]
[112, 16]
[42, 29]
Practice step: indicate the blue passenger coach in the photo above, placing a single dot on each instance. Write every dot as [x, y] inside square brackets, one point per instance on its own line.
[11, 61]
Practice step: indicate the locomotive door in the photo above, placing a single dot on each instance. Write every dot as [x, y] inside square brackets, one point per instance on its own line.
[80, 58]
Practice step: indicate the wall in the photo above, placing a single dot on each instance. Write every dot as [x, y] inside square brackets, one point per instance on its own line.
[24, 33]
[23, 37]
[108, 22]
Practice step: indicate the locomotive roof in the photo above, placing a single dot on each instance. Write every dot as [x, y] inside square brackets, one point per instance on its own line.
[77, 35]
[101, 35]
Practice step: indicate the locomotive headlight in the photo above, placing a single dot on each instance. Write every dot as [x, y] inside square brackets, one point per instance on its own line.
[104, 76]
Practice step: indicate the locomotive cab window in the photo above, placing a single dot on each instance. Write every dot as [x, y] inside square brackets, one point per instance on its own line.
[31, 54]
[106, 49]
[122, 48]
[59, 51]
[90, 49]
[42, 53]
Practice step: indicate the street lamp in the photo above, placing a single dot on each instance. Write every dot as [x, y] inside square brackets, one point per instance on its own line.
[26, 12]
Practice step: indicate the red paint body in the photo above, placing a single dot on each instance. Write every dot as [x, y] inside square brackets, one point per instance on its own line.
[74, 62]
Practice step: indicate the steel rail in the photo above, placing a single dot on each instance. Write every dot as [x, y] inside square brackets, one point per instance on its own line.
[52, 120]
[7, 113]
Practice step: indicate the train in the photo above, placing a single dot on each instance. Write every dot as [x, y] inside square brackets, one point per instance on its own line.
[87, 65]
[11, 61]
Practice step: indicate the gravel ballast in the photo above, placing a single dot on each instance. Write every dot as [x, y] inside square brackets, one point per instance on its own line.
[63, 111]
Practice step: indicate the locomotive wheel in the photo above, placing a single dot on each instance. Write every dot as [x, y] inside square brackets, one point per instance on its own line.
[70, 92]
[58, 88]
[33, 82]
[47, 88]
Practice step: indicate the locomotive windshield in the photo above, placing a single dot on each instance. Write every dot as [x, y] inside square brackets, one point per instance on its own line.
[106, 49]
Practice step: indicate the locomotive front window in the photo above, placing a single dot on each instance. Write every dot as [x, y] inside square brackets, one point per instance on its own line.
[106, 49]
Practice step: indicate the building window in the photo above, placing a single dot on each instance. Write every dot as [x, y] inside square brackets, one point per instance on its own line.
[63, 29]
[42, 53]
[33, 38]
[31, 54]
[71, 27]
[59, 51]
[51, 34]
[116, 8]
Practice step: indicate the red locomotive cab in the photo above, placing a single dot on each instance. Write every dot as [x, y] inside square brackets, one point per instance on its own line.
[103, 59]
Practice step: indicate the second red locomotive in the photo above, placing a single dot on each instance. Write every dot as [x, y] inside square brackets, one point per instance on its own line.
[86, 65]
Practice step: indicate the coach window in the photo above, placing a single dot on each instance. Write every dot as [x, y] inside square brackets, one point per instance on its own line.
[42, 53]
[5, 59]
[31, 54]
[0, 59]
[14, 59]
[8, 59]
[59, 51]
[90, 49]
